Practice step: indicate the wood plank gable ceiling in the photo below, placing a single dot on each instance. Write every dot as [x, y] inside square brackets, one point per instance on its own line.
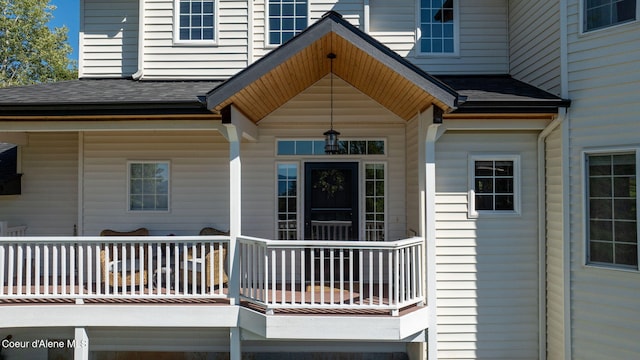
[279, 83]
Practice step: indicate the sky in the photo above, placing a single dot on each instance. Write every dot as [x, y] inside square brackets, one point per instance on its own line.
[68, 13]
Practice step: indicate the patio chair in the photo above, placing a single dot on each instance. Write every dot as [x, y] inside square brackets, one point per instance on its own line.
[196, 262]
[113, 271]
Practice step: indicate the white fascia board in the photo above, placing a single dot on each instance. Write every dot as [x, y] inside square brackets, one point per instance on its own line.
[119, 316]
[410, 327]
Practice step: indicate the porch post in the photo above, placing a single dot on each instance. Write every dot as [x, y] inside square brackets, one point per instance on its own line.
[81, 344]
[433, 131]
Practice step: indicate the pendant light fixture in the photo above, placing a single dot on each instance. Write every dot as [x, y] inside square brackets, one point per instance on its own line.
[331, 136]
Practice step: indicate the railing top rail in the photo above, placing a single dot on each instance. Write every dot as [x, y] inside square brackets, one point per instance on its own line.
[333, 243]
[113, 239]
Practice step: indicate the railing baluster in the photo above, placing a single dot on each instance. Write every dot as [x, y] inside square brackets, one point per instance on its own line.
[293, 276]
[10, 269]
[273, 276]
[72, 269]
[20, 268]
[303, 281]
[38, 270]
[283, 277]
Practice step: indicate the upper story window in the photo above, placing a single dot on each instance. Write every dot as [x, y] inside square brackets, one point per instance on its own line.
[196, 21]
[438, 19]
[494, 182]
[287, 18]
[612, 209]
[600, 14]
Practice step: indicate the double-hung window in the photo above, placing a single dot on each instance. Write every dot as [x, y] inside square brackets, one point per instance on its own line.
[196, 21]
[148, 187]
[598, 14]
[494, 185]
[438, 21]
[612, 209]
[286, 18]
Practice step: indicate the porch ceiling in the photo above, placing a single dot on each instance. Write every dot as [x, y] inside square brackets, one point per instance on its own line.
[360, 61]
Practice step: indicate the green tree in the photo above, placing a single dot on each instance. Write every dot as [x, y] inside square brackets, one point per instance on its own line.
[30, 52]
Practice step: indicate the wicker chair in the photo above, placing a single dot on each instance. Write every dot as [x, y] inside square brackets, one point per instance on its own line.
[112, 273]
[196, 262]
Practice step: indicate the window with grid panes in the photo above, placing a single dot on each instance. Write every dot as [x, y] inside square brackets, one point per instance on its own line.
[612, 209]
[374, 201]
[287, 201]
[286, 18]
[196, 20]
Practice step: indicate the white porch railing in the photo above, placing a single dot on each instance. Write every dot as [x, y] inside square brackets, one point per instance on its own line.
[6, 230]
[331, 274]
[113, 267]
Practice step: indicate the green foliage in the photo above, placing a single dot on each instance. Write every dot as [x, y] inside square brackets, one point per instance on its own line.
[30, 52]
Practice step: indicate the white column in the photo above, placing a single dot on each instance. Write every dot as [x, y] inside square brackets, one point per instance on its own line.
[235, 351]
[81, 342]
[235, 208]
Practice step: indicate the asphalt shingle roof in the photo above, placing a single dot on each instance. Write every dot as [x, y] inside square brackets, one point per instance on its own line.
[485, 93]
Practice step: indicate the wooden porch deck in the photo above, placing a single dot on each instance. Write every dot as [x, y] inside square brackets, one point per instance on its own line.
[289, 296]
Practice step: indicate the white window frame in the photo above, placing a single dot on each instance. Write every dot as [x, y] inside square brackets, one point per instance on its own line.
[585, 206]
[267, 27]
[299, 212]
[583, 13]
[363, 197]
[128, 201]
[517, 180]
[456, 33]
[176, 27]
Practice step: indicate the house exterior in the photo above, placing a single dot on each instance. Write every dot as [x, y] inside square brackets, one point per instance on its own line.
[477, 206]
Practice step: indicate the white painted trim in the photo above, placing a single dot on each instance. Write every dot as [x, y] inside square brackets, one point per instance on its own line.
[81, 348]
[517, 180]
[363, 198]
[267, 44]
[430, 139]
[81, 27]
[80, 222]
[456, 34]
[247, 127]
[176, 27]
[128, 186]
[233, 135]
[300, 211]
[139, 74]
[581, 20]
[542, 234]
[566, 234]
[366, 18]
[585, 208]
[110, 125]
[496, 125]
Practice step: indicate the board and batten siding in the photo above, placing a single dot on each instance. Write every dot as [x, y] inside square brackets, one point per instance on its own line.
[306, 116]
[487, 268]
[534, 43]
[108, 38]
[199, 181]
[555, 282]
[603, 82]
[49, 200]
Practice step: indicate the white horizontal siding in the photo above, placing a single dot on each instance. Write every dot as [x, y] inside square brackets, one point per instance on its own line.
[307, 117]
[109, 38]
[534, 43]
[487, 268]
[603, 81]
[165, 59]
[199, 164]
[49, 200]
[483, 41]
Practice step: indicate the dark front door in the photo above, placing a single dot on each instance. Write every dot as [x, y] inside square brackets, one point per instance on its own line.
[331, 201]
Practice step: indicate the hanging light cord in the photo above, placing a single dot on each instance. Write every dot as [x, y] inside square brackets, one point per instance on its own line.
[331, 56]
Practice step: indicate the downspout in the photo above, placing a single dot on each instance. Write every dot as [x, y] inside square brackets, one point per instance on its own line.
[542, 233]
[141, 16]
